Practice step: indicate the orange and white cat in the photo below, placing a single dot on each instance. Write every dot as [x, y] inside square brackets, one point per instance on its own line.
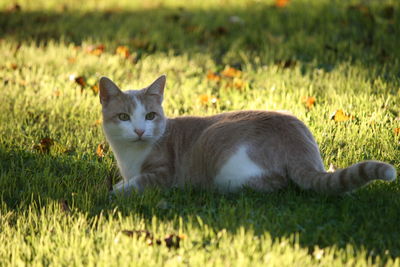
[262, 150]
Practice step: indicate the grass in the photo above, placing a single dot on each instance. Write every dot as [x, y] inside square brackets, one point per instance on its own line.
[54, 203]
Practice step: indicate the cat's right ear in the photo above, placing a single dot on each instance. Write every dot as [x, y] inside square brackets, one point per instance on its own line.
[108, 89]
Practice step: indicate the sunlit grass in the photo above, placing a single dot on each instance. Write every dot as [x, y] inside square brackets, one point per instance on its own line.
[345, 57]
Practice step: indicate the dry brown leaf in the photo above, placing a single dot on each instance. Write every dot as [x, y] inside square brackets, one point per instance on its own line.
[14, 8]
[170, 241]
[13, 66]
[97, 122]
[44, 145]
[57, 93]
[340, 116]
[239, 83]
[81, 81]
[285, 64]
[71, 60]
[96, 50]
[206, 99]
[122, 51]
[213, 76]
[64, 206]
[231, 72]
[100, 150]
[308, 101]
[219, 31]
[95, 89]
[396, 131]
[281, 3]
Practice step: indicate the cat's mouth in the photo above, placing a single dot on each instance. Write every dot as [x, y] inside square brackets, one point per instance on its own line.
[140, 140]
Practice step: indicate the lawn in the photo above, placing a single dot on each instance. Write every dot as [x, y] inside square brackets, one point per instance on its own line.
[315, 58]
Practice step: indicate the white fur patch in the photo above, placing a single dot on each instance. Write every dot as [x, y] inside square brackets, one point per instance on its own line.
[130, 157]
[390, 174]
[237, 171]
[138, 116]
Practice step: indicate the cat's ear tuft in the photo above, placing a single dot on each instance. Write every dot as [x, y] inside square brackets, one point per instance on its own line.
[157, 88]
[108, 89]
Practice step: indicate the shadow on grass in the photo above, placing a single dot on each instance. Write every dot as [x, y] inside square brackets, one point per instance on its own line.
[35, 177]
[327, 34]
[367, 219]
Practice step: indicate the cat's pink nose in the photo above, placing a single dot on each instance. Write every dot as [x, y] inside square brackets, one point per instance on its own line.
[139, 132]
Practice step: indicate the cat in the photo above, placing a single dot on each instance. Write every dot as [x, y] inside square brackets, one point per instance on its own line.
[262, 150]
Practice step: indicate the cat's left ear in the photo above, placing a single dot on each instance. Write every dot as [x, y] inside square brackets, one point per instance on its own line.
[108, 89]
[157, 88]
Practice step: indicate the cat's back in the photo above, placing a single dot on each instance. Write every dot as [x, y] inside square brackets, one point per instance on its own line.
[235, 125]
[238, 117]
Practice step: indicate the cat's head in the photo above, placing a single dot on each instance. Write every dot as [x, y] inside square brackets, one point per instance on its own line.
[134, 116]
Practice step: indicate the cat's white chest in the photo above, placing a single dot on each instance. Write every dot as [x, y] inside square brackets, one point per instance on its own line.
[237, 171]
[130, 159]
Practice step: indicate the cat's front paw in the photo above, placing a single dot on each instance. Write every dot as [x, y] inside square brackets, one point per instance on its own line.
[126, 187]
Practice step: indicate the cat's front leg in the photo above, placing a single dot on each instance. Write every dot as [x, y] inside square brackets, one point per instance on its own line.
[141, 182]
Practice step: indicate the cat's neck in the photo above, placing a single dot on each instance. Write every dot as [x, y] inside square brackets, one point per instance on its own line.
[130, 156]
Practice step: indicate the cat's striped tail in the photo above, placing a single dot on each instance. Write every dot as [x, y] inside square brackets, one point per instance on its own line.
[344, 180]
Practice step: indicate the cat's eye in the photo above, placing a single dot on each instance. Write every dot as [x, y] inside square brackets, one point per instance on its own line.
[150, 116]
[123, 117]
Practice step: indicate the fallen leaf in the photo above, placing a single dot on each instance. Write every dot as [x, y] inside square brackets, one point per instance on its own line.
[281, 3]
[96, 50]
[339, 116]
[14, 8]
[231, 72]
[64, 206]
[122, 51]
[71, 60]
[308, 101]
[23, 82]
[81, 81]
[206, 99]
[13, 66]
[396, 131]
[100, 150]
[238, 83]
[219, 31]
[97, 122]
[95, 89]
[44, 145]
[57, 93]
[213, 76]
[172, 241]
[288, 63]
